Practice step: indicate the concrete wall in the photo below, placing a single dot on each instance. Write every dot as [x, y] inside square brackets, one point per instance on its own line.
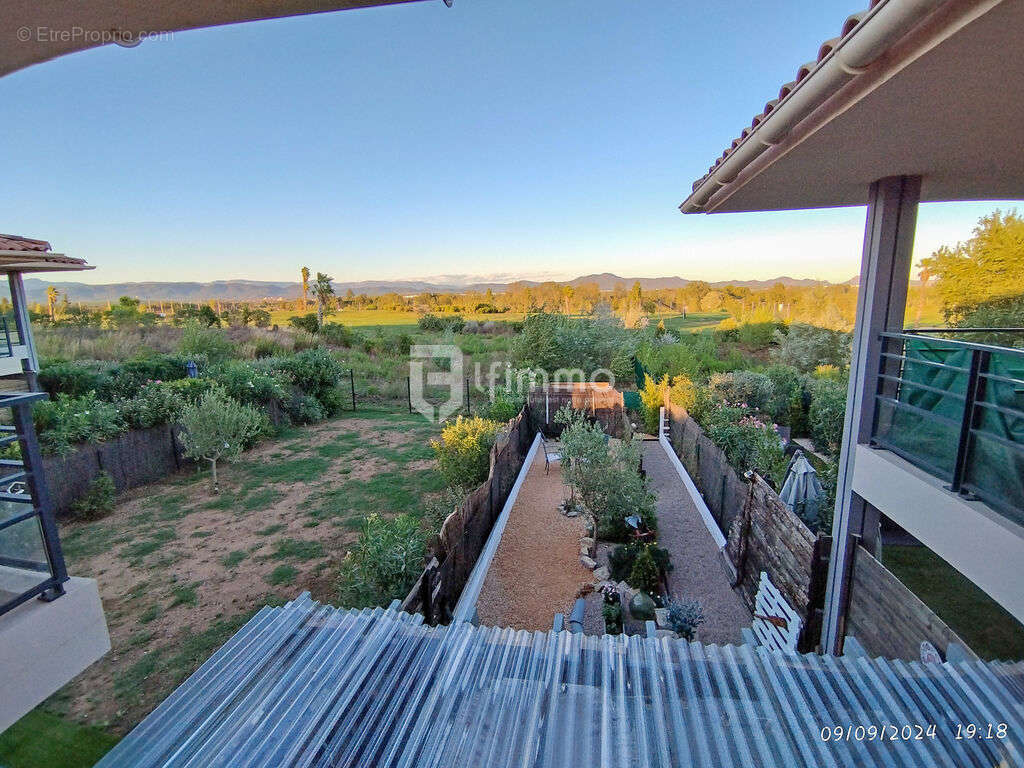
[44, 645]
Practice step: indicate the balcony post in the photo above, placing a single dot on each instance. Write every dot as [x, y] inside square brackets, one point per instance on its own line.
[19, 306]
[881, 305]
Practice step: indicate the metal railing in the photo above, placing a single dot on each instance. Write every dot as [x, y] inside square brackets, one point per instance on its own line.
[6, 340]
[31, 559]
[956, 410]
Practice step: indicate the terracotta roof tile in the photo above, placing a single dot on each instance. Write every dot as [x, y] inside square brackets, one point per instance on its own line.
[19, 243]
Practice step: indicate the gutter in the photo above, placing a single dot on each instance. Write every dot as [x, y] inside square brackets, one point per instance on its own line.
[849, 56]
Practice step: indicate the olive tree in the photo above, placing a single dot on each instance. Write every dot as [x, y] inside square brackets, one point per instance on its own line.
[219, 427]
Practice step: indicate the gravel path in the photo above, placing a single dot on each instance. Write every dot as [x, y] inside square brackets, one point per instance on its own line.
[698, 572]
[536, 571]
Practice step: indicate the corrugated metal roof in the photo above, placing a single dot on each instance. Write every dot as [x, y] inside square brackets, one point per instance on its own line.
[309, 685]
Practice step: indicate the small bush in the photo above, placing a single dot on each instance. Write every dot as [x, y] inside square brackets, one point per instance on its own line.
[308, 322]
[684, 616]
[757, 335]
[248, 383]
[753, 390]
[65, 421]
[805, 347]
[211, 343]
[749, 443]
[644, 574]
[652, 397]
[157, 403]
[385, 562]
[97, 501]
[827, 414]
[71, 378]
[621, 559]
[337, 334]
[314, 371]
[786, 404]
[463, 452]
[305, 409]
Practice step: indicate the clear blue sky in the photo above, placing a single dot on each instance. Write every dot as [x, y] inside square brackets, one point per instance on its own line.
[521, 138]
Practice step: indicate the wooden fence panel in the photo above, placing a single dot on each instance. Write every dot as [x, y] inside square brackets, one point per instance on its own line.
[887, 618]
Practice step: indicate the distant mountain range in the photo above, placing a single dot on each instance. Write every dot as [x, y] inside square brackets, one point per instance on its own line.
[249, 290]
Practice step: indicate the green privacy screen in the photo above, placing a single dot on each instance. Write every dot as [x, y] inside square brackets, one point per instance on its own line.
[921, 408]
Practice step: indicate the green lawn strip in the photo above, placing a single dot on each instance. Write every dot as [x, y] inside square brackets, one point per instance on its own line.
[984, 625]
[172, 506]
[157, 539]
[184, 594]
[233, 558]
[391, 491]
[297, 549]
[91, 539]
[259, 500]
[43, 740]
[289, 471]
[282, 575]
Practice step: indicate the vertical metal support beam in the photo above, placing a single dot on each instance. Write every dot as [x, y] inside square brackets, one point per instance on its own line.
[19, 306]
[881, 305]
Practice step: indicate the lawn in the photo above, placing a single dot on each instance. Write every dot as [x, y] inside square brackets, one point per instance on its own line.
[982, 623]
[694, 321]
[41, 739]
[388, 320]
[180, 570]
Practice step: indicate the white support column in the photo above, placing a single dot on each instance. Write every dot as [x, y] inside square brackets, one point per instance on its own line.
[881, 304]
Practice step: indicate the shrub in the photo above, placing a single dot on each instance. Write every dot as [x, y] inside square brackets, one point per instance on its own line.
[644, 574]
[827, 414]
[71, 378]
[684, 616]
[431, 323]
[805, 347]
[551, 341]
[754, 390]
[463, 452]
[156, 403]
[385, 562]
[621, 559]
[336, 334]
[652, 397]
[65, 421]
[305, 409]
[308, 322]
[314, 371]
[727, 330]
[211, 343]
[786, 404]
[247, 383]
[97, 501]
[264, 347]
[219, 427]
[748, 442]
[758, 335]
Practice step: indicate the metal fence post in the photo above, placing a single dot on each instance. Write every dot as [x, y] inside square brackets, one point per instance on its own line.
[352, 382]
[408, 391]
[967, 421]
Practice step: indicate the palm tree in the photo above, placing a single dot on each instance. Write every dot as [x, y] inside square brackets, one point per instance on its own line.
[305, 287]
[323, 291]
[51, 301]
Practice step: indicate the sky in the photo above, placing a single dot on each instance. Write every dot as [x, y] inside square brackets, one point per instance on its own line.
[495, 139]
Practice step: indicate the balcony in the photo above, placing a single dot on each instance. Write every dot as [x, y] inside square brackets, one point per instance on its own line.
[955, 409]
[43, 642]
